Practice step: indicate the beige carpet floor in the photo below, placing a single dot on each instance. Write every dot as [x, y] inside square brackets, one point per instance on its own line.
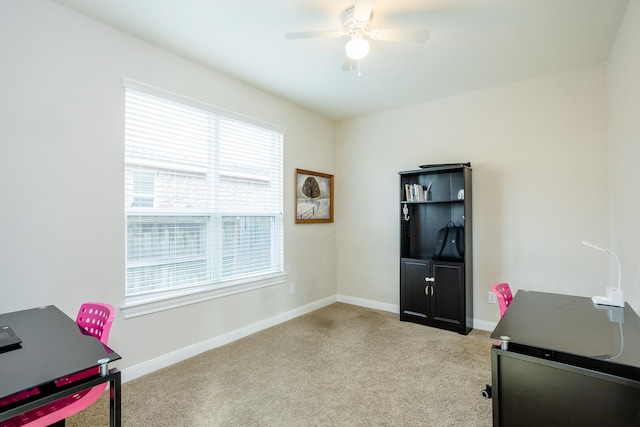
[341, 365]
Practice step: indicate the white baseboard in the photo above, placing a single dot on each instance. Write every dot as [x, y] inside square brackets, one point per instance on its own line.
[483, 325]
[376, 305]
[169, 359]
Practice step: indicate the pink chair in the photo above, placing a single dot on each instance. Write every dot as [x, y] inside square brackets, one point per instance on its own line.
[503, 292]
[19, 396]
[95, 319]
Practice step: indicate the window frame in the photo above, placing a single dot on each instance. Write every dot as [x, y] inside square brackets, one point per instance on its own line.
[138, 305]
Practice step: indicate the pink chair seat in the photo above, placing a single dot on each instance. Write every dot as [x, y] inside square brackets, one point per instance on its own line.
[50, 413]
[18, 396]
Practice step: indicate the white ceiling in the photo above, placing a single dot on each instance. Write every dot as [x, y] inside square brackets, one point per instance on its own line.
[474, 44]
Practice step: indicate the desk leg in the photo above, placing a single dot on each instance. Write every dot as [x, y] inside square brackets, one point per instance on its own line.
[115, 399]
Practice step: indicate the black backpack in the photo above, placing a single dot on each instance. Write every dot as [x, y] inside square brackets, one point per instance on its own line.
[449, 243]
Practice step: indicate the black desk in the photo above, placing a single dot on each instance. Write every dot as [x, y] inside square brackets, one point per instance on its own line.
[567, 363]
[53, 346]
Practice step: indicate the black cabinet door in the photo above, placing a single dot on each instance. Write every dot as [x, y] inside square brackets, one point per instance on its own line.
[448, 294]
[432, 293]
[414, 301]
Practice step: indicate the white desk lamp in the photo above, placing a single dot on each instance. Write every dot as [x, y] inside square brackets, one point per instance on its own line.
[614, 296]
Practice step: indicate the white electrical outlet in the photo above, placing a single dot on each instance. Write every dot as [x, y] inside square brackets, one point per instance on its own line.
[492, 298]
[292, 288]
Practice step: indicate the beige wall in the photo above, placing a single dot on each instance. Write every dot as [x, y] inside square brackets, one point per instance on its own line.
[545, 178]
[623, 74]
[62, 191]
[538, 149]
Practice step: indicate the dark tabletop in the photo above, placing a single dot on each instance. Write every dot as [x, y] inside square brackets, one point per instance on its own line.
[572, 325]
[53, 346]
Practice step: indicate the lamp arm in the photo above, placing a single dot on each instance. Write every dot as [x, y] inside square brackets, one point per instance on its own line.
[600, 248]
[619, 268]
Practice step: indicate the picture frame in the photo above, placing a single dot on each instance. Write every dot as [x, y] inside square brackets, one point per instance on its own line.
[314, 197]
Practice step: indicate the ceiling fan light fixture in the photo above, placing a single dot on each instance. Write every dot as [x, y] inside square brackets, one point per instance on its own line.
[357, 48]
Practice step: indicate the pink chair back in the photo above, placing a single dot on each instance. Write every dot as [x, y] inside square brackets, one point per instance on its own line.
[503, 292]
[96, 318]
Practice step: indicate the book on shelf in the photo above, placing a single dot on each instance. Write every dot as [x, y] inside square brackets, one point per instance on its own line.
[417, 192]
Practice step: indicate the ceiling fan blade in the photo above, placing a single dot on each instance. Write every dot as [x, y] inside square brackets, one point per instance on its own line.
[314, 34]
[348, 64]
[410, 36]
[362, 10]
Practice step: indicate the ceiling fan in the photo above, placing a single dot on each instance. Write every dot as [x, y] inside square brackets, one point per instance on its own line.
[355, 22]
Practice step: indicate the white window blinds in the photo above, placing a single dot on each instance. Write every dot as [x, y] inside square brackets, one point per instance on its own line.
[203, 195]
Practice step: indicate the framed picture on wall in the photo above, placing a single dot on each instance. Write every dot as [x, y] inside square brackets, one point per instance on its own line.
[314, 197]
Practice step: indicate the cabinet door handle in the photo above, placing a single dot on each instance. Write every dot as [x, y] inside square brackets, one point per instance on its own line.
[429, 279]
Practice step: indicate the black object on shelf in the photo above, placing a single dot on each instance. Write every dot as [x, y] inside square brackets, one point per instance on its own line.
[440, 165]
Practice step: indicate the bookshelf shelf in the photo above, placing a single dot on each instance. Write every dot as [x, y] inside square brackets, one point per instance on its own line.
[431, 201]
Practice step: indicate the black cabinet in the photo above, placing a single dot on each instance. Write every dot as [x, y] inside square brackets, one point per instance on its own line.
[434, 292]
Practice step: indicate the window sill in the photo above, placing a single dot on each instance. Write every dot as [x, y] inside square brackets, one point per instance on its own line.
[148, 304]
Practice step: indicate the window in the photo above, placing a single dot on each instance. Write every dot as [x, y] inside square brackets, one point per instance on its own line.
[203, 197]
